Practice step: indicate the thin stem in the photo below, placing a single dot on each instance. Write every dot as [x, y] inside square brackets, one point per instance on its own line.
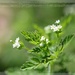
[49, 69]
[26, 48]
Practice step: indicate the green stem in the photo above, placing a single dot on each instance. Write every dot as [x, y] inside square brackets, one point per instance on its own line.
[49, 69]
[26, 48]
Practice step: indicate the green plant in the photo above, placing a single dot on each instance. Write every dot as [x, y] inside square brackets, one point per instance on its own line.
[48, 45]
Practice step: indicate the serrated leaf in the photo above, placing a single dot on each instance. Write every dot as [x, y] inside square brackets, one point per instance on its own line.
[36, 49]
[27, 65]
[32, 37]
[66, 40]
[30, 65]
[35, 60]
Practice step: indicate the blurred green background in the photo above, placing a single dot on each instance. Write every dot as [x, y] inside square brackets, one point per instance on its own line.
[14, 19]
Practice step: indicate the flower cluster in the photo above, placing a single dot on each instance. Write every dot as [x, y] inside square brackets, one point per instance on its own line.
[42, 40]
[16, 44]
[53, 27]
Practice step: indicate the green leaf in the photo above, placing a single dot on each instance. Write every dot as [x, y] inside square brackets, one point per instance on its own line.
[36, 60]
[32, 37]
[30, 65]
[36, 49]
[66, 41]
[27, 65]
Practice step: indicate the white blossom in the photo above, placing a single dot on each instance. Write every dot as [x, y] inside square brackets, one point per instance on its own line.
[47, 29]
[55, 28]
[17, 43]
[47, 41]
[10, 40]
[41, 44]
[57, 21]
[42, 38]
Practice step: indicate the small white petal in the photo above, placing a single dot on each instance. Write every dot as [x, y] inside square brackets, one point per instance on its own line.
[17, 43]
[57, 21]
[14, 45]
[10, 40]
[42, 38]
[17, 39]
[47, 41]
[55, 28]
[41, 44]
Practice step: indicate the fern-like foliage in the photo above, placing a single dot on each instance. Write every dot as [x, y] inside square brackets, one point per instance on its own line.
[48, 45]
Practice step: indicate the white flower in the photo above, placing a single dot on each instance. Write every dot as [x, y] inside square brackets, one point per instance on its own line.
[10, 40]
[42, 38]
[17, 43]
[47, 29]
[55, 28]
[47, 41]
[41, 44]
[57, 21]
